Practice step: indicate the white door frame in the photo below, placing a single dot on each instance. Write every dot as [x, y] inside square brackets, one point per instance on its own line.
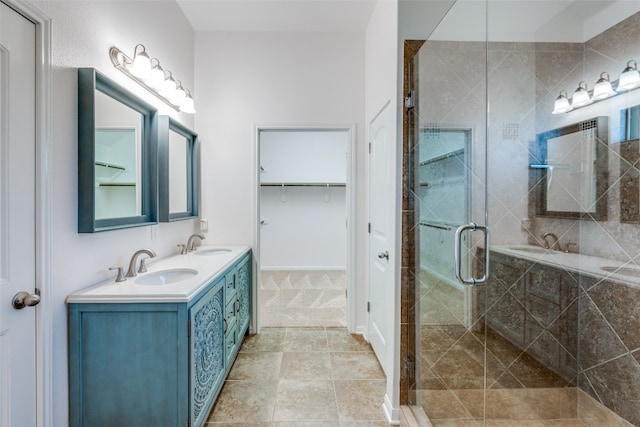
[44, 312]
[351, 216]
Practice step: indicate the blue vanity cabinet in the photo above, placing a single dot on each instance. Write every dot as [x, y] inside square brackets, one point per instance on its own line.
[159, 364]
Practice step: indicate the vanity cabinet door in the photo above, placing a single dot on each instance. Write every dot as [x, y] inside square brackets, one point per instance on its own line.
[128, 364]
[243, 289]
[506, 312]
[207, 347]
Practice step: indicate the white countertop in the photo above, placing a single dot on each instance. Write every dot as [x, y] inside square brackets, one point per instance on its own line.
[209, 267]
[578, 263]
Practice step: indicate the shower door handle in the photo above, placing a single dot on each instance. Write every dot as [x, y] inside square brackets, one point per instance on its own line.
[458, 254]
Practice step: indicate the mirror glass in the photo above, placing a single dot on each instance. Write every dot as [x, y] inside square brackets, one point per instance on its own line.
[118, 140]
[573, 167]
[178, 158]
[117, 167]
[178, 174]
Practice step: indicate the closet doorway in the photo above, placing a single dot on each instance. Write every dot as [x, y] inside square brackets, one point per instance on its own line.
[305, 226]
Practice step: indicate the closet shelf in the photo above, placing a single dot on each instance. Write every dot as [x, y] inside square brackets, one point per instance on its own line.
[301, 184]
[443, 181]
[110, 165]
[442, 156]
[117, 184]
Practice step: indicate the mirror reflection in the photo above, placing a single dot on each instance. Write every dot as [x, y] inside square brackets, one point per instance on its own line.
[178, 159]
[117, 159]
[573, 165]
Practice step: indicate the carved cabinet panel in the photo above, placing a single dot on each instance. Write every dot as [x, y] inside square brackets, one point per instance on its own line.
[207, 352]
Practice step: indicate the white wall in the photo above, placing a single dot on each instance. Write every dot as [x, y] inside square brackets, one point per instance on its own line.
[262, 78]
[82, 33]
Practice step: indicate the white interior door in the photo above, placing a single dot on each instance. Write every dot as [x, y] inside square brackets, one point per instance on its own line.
[17, 219]
[381, 257]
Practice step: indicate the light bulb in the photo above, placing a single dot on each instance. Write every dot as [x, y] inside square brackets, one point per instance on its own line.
[561, 105]
[603, 89]
[155, 79]
[168, 88]
[630, 77]
[188, 105]
[141, 65]
[180, 95]
[581, 96]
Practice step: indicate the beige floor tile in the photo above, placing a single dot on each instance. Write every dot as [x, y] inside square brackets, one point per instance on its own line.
[305, 424]
[443, 404]
[341, 340]
[305, 340]
[256, 366]
[455, 423]
[223, 424]
[245, 402]
[356, 365]
[305, 400]
[360, 399]
[364, 424]
[305, 366]
[269, 339]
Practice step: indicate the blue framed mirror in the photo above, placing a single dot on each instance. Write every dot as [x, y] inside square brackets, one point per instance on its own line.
[117, 156]
[178, 173]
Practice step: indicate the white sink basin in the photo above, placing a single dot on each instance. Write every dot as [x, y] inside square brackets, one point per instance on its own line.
[530, 249]
[165, 277]
[211, 251]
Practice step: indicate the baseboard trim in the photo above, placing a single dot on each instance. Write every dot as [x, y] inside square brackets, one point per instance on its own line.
[392, 415]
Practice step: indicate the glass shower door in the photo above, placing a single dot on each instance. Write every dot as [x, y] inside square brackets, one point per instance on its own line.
[449, 124]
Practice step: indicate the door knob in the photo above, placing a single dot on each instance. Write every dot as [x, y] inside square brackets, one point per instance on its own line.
[383, 255]
[25, 299]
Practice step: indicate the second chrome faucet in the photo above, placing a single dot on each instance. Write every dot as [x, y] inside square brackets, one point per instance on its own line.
[191, 244]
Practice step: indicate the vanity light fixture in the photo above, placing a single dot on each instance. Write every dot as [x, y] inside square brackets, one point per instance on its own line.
[153, 77]
[581, 96]
[630, 77]
[562, 104]
[603, 89]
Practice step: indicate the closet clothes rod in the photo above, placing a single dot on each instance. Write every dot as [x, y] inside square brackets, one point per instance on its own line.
[292, 184]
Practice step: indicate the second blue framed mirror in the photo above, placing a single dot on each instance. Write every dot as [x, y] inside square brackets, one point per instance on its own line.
[178, 171]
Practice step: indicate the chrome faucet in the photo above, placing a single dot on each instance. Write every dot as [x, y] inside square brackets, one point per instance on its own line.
[191, 243]
[132, 264]
[555, 241]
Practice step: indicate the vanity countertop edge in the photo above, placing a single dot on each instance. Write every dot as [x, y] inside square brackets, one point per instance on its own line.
[577, 263]
[209, 268]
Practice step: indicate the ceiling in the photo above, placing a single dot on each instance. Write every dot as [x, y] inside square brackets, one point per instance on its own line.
[333, 16]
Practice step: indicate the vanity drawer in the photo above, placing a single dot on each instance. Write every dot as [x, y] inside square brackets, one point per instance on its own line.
[230, 344]
[230, 285]
[231, 313]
